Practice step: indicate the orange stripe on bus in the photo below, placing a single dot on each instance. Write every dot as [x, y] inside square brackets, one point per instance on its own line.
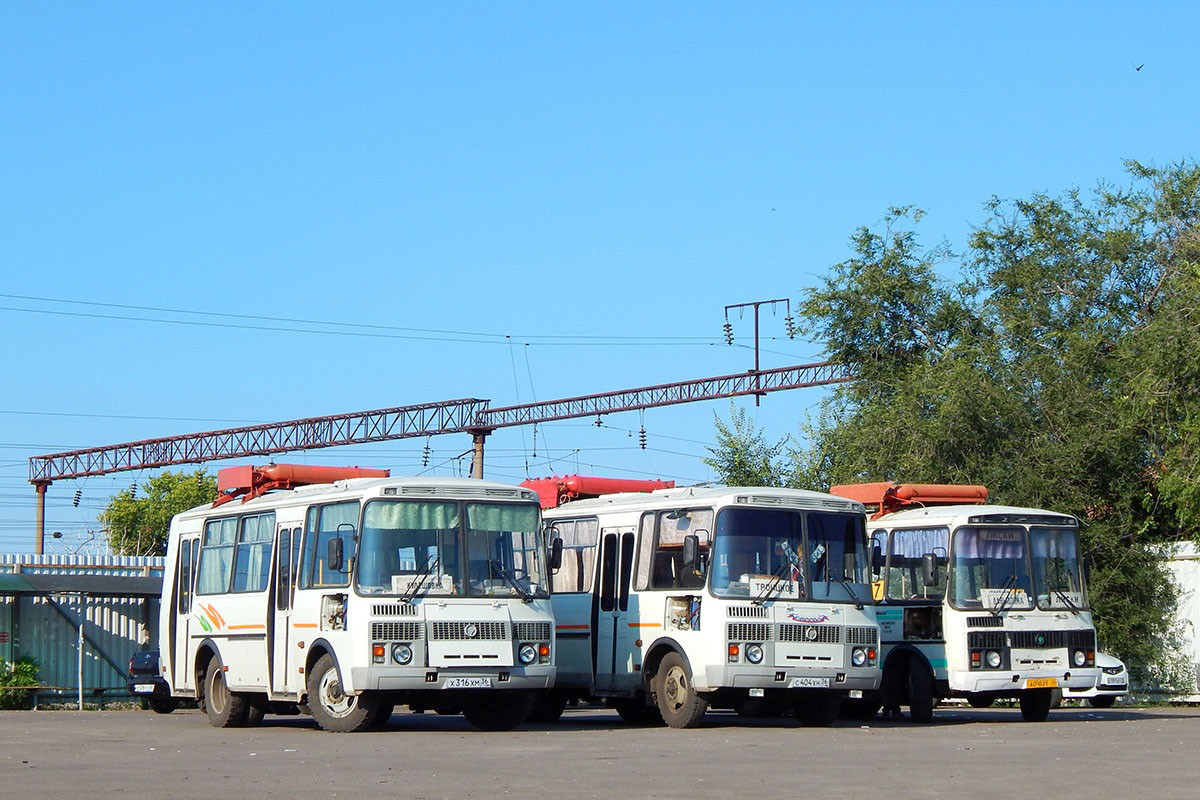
[645, 624]
[247, 627]
[304, 624]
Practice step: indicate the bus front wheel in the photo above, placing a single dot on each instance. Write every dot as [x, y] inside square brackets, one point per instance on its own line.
[681, 707]
[332, 708]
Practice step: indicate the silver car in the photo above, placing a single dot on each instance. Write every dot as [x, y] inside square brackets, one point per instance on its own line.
[1113, 683]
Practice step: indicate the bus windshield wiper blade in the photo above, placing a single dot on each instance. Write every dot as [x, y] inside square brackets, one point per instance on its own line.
[853, 596]
[418, 581]
[1009, 583]
[511, 581]
[1070, 603]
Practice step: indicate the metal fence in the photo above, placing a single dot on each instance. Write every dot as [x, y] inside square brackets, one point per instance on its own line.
[46, 625]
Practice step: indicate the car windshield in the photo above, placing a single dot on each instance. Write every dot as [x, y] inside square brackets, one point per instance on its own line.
[413, 548]
[1056, 567]
[756, 552]
[990, 569]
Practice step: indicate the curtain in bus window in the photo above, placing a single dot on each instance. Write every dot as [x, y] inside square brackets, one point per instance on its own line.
[503, 548]
[909, 546]
[1056, 567]
[216, 556]
[252, 564]
[579, 540]
[408, 538]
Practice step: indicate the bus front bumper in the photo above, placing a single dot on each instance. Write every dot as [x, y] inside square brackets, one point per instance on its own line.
[1018, 680]
[740, 676]
[398, 679]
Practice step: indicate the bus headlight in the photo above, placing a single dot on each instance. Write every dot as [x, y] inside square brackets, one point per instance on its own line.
[858, 657]
[401, 653]
[993, 659]
[754, 653]
[1080, 658]
[528, 654]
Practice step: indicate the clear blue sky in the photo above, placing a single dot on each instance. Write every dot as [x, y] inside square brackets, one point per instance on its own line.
[534, 171]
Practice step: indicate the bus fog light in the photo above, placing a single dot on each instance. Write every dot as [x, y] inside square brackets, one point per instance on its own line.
[858, 657]
[401, 653]
[754, 653]
[1080, 658]
[528, 654]
[993, 659]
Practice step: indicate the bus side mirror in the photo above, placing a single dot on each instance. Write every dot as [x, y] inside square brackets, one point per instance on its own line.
[335, 554]
[929, 569]
[555, 554]
[691, 550]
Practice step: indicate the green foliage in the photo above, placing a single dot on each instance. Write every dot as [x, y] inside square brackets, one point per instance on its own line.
[23, 672]
[742, 457]
[1060, 371]
[138, 525]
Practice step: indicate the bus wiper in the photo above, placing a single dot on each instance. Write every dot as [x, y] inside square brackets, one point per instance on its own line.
[857, 603]
[510, 580]
[1063, 595]
[419, 580]
[1007, 587]
[770, 588]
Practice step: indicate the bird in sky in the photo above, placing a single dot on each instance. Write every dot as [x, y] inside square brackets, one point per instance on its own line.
[1138, 68]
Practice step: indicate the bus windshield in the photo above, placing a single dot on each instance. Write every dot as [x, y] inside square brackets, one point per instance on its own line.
[837, 557]
[413, 548]
[1056, 567]
[756, 552]
[990, 569]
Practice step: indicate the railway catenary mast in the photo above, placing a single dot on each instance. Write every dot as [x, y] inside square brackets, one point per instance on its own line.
[470, 415]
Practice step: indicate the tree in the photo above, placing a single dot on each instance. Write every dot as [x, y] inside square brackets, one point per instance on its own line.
[742, 456]
[1060, 372]
[138, 525]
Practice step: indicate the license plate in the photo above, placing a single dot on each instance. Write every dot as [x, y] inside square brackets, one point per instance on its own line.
[467, 683]
[1041, 683]
[143, 688]
[809, 683]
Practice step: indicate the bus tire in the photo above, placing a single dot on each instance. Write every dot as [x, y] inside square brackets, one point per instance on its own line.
[920, 691]
[1035, 705]
[333, 709]
[635, 711]
[548, 707]
[1102, 701]
[502, 711]
[818, 708]
[678, 702]
[224, 708]
[255, 711]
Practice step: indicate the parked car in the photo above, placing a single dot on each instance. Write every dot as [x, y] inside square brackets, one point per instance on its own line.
[146, 681]
[1113, 683]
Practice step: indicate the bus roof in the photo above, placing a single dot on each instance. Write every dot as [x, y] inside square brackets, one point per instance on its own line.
[748, 495]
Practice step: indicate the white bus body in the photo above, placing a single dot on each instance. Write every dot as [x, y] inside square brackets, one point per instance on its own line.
[1005, 616]
[773, 611]
[440, 601]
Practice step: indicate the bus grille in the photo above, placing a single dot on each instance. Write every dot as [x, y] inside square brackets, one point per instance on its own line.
[395, 631]
[748, 632]
[979, 640]
[458, 630]
[863, 635]
[532, 631]
[985, 622]
[1035, 639]
[394, 610]
[822, 634]
[748, 611]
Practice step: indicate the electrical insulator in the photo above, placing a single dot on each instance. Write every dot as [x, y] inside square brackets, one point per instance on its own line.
[728, 332]
[133, 491]
[642, 437]
[599, 422]
[791, 325]
[425, 456]
[75, 499]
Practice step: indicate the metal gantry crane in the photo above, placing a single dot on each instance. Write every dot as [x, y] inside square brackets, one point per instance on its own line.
[472, 416]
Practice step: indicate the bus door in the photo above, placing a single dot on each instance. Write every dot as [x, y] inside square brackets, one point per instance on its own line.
[180, 635]
[615, 625]
[279, 613]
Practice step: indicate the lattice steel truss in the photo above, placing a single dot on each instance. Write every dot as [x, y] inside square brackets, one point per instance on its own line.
[452, 416]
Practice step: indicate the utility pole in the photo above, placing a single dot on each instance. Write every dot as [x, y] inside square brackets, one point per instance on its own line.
[791, 330]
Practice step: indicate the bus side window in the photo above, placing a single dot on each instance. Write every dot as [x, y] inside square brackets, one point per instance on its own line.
[660, 555]
[216, 556]
[284, 581]
[332, 521]
[252, 560]
[184, 605]
[295, 565]
[580, 539]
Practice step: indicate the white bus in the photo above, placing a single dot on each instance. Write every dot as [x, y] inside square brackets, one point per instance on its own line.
[342, 596]
[975, 601]
[677, 600]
